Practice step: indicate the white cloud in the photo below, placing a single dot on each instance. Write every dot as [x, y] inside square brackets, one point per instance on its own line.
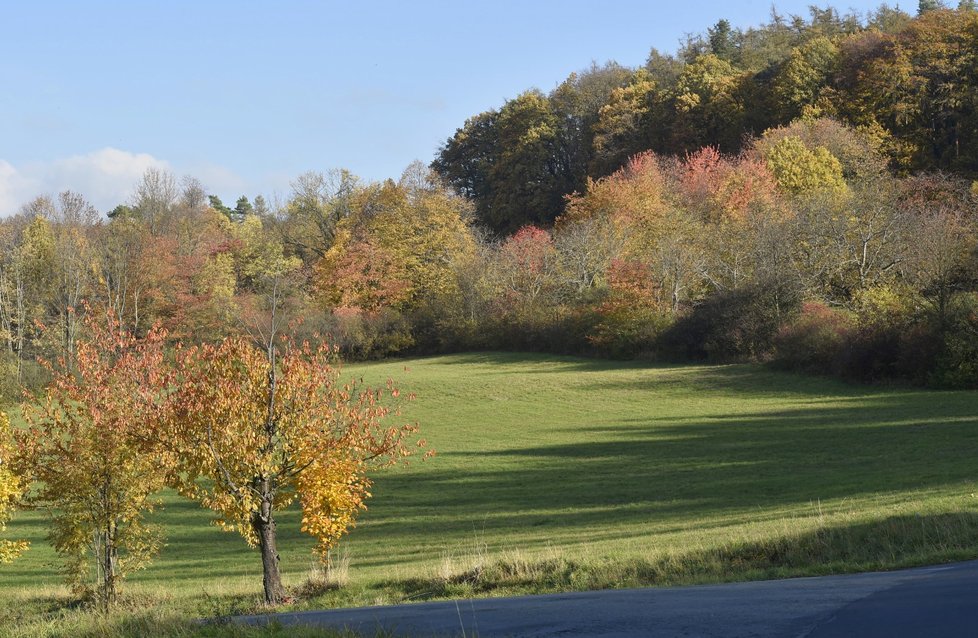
[105, 177]
[13, 187]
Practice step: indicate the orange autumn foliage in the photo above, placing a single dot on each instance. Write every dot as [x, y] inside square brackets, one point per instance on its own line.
[259, 429]
[93, 450]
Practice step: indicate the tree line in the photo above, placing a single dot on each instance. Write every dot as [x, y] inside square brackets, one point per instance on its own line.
[805, 233]
[909, 82]
[176, 343]
[860, 133]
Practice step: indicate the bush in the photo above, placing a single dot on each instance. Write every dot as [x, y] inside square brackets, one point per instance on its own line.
[887, 338]
[9, 388]
[888, 329]
[734, 325]
[629, 321]
[920, 348]
[366, 335]
[567, 333]
[629, 334]
[957, 362]
[441, 324]
[558, 330]
[815, 340]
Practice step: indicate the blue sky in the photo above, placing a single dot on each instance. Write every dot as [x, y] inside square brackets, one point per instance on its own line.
[247, 95]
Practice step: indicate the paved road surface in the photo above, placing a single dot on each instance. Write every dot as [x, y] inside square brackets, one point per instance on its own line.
[931, 602]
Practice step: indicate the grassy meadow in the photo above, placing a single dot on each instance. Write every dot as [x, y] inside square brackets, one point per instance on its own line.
[556, 473]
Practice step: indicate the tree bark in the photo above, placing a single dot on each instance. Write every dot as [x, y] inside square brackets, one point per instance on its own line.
[107, 557]
[264, 526]
[111, 561]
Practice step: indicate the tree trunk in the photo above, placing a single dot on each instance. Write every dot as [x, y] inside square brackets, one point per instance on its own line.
[111, 566]
[107, 554]
[264, 527]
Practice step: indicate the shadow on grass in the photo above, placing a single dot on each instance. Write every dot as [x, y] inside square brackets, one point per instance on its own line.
[894, 542]
[745, 379]
[523, 363]
[633, 473]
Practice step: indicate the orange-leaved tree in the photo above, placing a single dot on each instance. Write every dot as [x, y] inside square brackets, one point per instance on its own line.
[94, 452]
[10, 489]
[259, 427]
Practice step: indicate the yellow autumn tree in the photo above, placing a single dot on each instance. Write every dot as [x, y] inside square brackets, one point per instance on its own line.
[632, 200]
[258, 428]
[799, 169]
[400, 248]
[10, 489]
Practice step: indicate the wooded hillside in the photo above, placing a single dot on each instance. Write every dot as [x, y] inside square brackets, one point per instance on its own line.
[801, 192]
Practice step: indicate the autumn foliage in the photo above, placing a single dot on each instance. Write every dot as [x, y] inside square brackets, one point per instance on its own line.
[361, 277]
[633, 313]
[95, 452]
[257, 430]
[11, 487]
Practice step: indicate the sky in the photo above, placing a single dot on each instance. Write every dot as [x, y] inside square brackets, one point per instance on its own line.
[248, 95]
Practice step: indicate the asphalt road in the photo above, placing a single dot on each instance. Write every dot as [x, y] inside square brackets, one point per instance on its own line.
[930, 601]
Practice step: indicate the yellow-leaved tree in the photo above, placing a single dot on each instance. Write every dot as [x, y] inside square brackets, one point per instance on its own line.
[10, 489]
[799, 169]
[400, 248]
[258, 428]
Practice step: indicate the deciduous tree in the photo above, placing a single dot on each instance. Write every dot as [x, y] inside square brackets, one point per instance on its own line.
[361, 276]
[624, 123]
[259, 428]
[318, 203]
[802, 78]
[707, 107]
[154, 200]
[93, 449]
[72, 219]
[524, 274]
[26, 278]
[800, 170]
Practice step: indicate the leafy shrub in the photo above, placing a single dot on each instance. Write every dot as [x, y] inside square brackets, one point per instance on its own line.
[957, 363]
[629, 334]
[8, 379]
[734, 325]
[440, 326]
[815, 340]
[886, 320]
[559, 330]
[920, 347]
[364, 335]
[629, 320]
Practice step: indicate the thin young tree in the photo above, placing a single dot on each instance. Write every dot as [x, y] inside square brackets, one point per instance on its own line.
[258, 428]
[93, 451]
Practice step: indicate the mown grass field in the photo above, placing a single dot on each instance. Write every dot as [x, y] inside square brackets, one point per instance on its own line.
[564, 473]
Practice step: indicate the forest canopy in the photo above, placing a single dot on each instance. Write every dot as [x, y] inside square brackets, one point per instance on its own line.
[909, 82]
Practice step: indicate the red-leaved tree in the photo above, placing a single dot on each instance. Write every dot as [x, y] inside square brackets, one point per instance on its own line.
[93, 450]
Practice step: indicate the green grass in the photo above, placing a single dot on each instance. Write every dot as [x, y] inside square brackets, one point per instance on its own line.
[562, 473]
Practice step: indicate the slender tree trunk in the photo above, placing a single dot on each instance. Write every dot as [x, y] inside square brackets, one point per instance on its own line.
[21, 321]
[109, 567]
[264, 526]
[262, 521]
